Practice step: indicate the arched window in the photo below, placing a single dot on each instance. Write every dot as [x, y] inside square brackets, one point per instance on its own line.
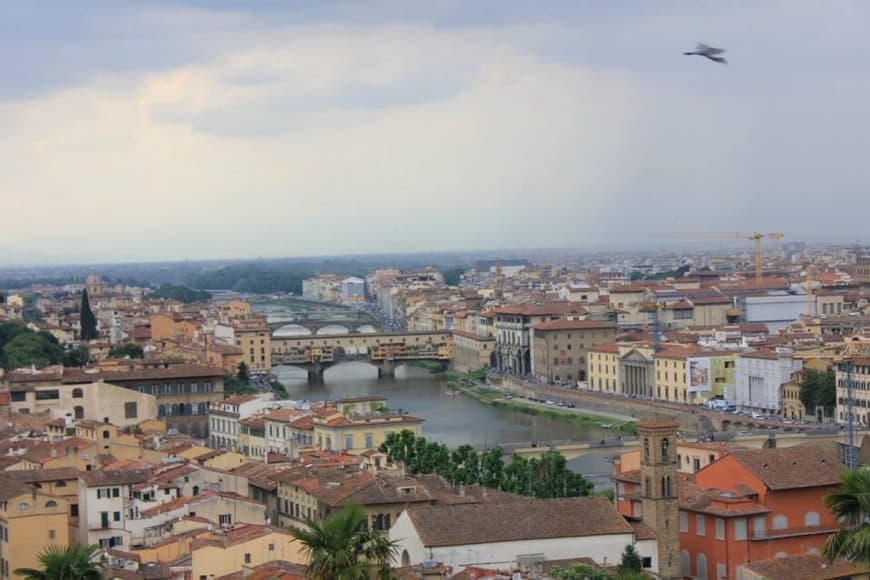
[77, 393]
[701, 564]
[685, 564]
[780, 522]
[665, 448]
[646, 447]
[79, 412]
[406, 558]
[812, 519]
[50, 504]
[23, 506]
[106, 434]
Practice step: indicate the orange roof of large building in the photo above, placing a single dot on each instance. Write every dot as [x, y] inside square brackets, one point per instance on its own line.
[575, 325]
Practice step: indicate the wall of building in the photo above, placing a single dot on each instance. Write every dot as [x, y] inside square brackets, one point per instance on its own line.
[213, 561]
[29, 531]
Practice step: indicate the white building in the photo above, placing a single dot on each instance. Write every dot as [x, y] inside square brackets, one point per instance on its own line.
[224, 417]
[520, 531]
[759, 376]
[860, 377]
[777, 310]
[105, 506]
[353, 290]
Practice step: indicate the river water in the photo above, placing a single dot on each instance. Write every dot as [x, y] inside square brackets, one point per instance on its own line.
[453, 420]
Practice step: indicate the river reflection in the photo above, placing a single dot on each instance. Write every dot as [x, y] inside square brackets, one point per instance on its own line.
[453, 420]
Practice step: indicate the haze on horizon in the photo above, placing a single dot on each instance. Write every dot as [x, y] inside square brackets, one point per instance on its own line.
[188, 129]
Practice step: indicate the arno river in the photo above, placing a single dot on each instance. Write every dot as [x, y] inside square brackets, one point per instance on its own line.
[453, 420]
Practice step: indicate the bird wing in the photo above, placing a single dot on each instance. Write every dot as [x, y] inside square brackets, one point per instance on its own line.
[708, 49]
[718, 59]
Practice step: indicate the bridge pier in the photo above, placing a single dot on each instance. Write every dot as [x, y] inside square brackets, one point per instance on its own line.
[386, 368]
[315, 373]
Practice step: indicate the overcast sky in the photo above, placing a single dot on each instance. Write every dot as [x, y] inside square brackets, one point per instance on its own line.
[205, 129]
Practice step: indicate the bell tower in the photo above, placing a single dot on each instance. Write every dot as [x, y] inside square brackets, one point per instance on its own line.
[661, 505]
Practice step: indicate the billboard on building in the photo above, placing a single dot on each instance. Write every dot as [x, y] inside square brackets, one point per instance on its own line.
[700, 375]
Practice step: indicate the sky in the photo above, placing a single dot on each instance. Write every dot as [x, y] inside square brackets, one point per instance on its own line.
[134, 131]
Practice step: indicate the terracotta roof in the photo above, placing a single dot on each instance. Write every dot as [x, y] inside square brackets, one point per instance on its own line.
[239, 399]
[121, 477]
[575, 325]
[791, 467]
[46, 452]
[518, 520]
[806, 567]
[472, 335]
[541, 309]
[172, 371]
[284, 415]
[627, 288]
[607, 347]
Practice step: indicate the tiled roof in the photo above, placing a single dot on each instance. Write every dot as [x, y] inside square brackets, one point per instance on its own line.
[806, 567]
[791, 467]
[575, 325]
[121, 477]
[518, 520]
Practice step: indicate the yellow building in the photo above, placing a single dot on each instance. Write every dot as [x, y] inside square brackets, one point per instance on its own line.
[358, 424]
[176, 325]
[30, 521]
[227, 551]
[792, 407]
[603, 368]
[314, 492]
[232, 309]
[471, 351]
[255, 340]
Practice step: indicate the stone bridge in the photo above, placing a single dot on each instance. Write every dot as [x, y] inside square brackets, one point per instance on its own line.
[569, 449]
[316, 353]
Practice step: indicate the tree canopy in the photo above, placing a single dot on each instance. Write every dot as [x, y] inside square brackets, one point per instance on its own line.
[130, 350]
[850, 504]
[76, 357]
[88, 320]
[73, 562]
[818, 389]
[341, 546]
[180, 293]
[22, 347]
[254, 278]
[546, 477]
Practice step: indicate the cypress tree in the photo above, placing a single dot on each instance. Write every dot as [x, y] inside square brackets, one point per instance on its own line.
[88, 321]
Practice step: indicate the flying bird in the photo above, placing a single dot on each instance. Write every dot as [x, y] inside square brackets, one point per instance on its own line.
[708, 52]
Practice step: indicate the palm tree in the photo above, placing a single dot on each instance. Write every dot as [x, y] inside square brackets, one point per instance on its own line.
[341, 547]
[850, 504]
[76, 562]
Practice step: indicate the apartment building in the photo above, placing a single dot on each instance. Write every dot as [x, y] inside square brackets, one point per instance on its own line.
[105, 503]
[759, 378]
[255, 339]
[559, 348]
[224, 417]
[30, 522]
[858, 371]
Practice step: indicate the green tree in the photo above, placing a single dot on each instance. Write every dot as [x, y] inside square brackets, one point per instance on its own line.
[631, 561]
[129, 350]
[88, 320]
[180, 293]
[76, 357]
[242, 375]
[342, 547]
[28, 348]
[74, 562]
[850, 504]
[492, 467]
[818, 389]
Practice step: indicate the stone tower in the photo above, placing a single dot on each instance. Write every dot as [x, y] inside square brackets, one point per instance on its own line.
[658, 476]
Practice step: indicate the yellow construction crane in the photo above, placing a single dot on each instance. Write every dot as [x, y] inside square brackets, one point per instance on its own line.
[754, 236]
